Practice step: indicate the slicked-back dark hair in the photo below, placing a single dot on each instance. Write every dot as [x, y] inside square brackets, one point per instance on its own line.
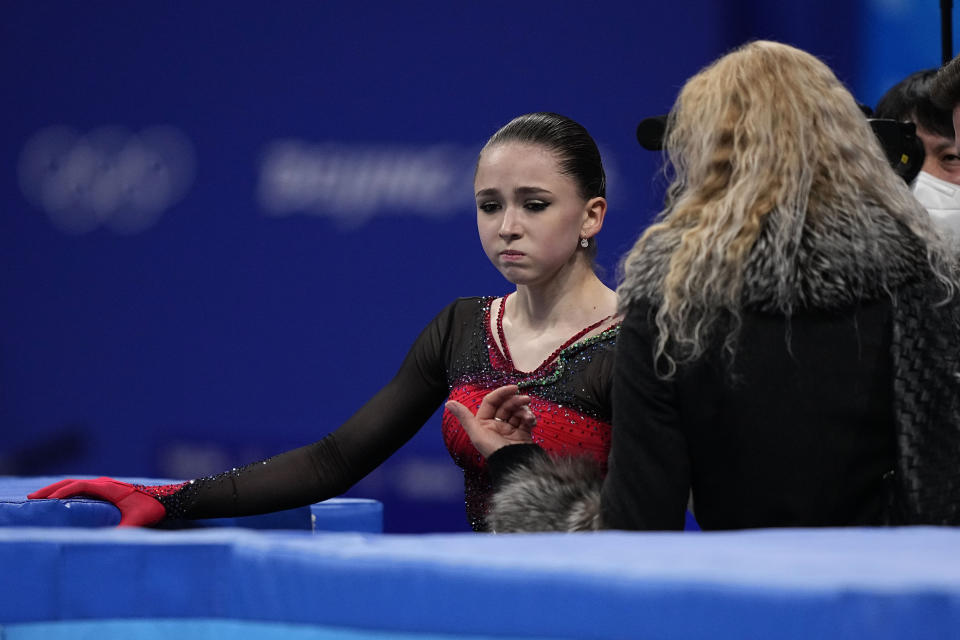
[576, 150]
[910, 100]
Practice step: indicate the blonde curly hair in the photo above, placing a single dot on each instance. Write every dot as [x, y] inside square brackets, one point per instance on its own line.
[766, 129]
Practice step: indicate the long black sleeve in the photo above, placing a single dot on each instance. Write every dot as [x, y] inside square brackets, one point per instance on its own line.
[333, 464]
[648, 478]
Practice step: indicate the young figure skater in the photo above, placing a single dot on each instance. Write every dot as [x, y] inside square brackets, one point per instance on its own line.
[540, 193]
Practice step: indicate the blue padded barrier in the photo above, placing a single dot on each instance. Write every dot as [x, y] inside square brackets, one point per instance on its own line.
[827, 583]
[337, 514]
[202, 629]
[347, 514]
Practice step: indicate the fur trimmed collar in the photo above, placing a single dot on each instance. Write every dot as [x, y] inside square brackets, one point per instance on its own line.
[840, 259]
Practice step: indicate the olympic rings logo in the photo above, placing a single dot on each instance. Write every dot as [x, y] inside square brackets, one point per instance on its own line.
[109, 177]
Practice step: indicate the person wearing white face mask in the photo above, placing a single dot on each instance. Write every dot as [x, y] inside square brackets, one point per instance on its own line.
[937, 186]
[941, 199]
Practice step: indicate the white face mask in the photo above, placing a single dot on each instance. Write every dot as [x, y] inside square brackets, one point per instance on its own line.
[940, 198]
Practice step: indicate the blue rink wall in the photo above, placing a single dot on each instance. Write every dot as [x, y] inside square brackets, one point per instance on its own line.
[223, 224]
[787, 584]
[204, 629]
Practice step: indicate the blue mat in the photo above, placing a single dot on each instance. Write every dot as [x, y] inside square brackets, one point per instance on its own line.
[787, 584]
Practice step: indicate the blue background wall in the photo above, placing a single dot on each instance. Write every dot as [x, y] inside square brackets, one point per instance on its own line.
[223, 224]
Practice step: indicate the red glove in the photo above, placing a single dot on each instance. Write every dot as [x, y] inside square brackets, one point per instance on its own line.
[137, 508]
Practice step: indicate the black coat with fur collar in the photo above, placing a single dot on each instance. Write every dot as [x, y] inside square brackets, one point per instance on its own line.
[798, 433]
[845, 410]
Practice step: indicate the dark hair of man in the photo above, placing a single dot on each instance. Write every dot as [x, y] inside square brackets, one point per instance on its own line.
[910, 101]
[945, 91]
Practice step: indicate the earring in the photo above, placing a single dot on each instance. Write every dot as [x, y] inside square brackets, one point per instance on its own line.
[584, 243]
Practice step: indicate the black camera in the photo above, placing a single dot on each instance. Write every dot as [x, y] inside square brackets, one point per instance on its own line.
[899, 140]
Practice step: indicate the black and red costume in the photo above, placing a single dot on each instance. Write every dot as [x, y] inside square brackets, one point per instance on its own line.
[454, 357]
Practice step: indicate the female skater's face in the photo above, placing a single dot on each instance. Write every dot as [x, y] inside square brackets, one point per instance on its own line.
[529, 214]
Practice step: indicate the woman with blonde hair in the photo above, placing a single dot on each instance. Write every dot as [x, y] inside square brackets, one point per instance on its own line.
[790, 349]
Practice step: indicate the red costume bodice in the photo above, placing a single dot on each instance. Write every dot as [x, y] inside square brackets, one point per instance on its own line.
[565, 426]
